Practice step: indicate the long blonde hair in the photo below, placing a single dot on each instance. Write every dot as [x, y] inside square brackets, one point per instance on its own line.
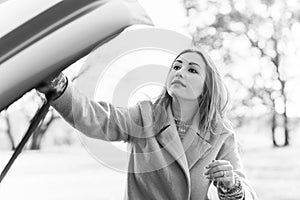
[214, 99]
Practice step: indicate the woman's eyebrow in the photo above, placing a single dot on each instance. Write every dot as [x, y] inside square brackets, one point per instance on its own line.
[190, 63]
[193, 63]
[180, 61]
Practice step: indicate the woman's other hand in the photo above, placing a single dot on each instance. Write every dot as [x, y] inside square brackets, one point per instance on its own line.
[221, 171]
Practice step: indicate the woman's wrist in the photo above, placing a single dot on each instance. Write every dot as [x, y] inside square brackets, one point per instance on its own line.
[234, 192]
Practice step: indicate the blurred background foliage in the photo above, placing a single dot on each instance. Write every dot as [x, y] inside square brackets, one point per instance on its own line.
[256, 44]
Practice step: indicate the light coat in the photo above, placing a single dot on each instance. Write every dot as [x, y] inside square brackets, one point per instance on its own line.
[161, 166]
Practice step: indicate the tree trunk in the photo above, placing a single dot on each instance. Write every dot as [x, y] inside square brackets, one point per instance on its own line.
[276, 62]
[285, 117]
[37, 138]
[286, 130]
[273, 127]
[39, 133]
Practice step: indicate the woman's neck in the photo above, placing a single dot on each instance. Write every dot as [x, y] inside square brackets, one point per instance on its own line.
[184, 110]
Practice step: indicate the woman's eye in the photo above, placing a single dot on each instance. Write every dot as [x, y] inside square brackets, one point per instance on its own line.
[193, 70]
[176, 67]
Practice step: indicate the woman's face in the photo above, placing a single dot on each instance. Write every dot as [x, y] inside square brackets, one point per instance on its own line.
[187, 76]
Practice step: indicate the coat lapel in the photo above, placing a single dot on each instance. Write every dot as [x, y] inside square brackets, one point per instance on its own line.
[170, 143]
[195, 143]
[198, 143]
[169, 140]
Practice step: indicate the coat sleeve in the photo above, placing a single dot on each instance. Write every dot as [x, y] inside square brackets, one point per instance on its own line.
[98, 120]
[229, 151]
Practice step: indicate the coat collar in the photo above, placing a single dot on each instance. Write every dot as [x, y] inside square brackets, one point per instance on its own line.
[195, 144]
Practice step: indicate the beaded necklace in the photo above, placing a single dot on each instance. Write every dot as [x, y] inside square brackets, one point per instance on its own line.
[182, 127]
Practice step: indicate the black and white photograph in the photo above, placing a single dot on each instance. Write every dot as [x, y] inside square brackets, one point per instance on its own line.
[149, 99]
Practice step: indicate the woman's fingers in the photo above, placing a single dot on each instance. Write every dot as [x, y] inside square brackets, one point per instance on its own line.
[220, 170]
[216, 163]
[222, 176]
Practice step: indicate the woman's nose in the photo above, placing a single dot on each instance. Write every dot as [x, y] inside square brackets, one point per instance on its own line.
[179, 73]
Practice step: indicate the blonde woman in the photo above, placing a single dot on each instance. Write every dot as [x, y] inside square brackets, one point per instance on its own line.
[180, 145]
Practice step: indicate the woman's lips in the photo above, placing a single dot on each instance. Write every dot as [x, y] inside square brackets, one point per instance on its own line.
[178, 82]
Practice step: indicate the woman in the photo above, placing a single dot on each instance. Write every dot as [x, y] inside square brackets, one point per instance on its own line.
[179, 145]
